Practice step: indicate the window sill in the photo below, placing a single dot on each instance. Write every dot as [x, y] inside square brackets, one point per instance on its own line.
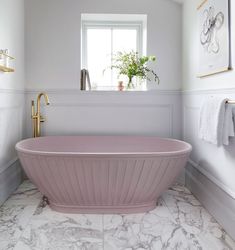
[116, 89]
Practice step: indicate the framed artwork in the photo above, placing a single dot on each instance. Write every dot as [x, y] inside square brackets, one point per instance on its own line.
[214, 37]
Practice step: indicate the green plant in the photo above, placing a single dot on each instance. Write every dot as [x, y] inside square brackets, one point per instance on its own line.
[131, 64]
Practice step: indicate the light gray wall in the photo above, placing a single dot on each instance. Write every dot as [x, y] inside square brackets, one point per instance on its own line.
[11, 94]
[190, 52]
[53, 64]
[53, 39]
[211, 167]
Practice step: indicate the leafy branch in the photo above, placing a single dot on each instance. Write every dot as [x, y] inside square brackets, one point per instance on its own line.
[131, 64]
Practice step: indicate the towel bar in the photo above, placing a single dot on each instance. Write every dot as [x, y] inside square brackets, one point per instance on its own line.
[230, 102]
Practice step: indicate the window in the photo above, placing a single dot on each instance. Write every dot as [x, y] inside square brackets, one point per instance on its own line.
[102, 39]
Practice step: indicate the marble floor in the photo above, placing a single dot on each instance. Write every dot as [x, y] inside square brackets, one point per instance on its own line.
[178, 222]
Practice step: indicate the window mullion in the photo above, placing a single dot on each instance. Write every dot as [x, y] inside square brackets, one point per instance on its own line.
[112, 56]
[112, 27]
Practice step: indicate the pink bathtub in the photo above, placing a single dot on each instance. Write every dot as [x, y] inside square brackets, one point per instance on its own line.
[102, 174]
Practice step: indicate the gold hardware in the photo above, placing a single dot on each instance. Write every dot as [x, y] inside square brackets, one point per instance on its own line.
[203, 2]
[37, 117]
[5, 68]
[230, 102]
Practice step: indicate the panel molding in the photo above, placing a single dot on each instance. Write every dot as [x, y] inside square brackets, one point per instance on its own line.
[18, 109]
[169, 109]
[11, 112]
[168, 102]
[185, 108]
[110, 104]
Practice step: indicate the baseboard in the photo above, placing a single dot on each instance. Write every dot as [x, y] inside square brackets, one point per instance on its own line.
[214, 199]
[218, 183]
[10, 179]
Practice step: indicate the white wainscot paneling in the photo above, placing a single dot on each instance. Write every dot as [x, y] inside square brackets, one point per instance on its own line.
[109, 119]
[216, 163]
[10, 133]
[75, 112]
[11, 120]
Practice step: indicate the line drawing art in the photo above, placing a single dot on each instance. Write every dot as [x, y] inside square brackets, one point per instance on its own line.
[211, 26]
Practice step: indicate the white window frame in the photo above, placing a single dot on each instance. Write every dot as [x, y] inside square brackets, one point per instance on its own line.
[130, 22]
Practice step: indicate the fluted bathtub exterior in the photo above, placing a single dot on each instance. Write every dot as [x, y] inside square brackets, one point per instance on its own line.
[101, 181]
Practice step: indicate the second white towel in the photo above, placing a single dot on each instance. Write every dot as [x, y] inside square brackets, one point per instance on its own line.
[216, 123]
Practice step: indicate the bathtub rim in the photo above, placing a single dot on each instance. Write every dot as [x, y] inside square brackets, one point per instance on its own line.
[188, 149]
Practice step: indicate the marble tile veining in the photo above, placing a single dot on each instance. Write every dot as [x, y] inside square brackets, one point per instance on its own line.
[15, 214]
[27, 193]
[52, 230]
[179, 222]
[196, 222]
[154, 230]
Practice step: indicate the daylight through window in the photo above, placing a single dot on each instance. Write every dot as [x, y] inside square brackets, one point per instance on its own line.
[101, 40]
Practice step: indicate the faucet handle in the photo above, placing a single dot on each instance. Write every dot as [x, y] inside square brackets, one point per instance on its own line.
[32, 109]
[42, 119]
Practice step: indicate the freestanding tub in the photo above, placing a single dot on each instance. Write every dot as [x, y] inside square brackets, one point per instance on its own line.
[102, 174]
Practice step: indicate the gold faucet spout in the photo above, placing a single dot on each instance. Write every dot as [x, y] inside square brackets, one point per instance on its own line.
[39, 100]
[38, 118]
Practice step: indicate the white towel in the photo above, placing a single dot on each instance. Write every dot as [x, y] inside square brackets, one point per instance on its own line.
[228, 128]
[216, 121]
